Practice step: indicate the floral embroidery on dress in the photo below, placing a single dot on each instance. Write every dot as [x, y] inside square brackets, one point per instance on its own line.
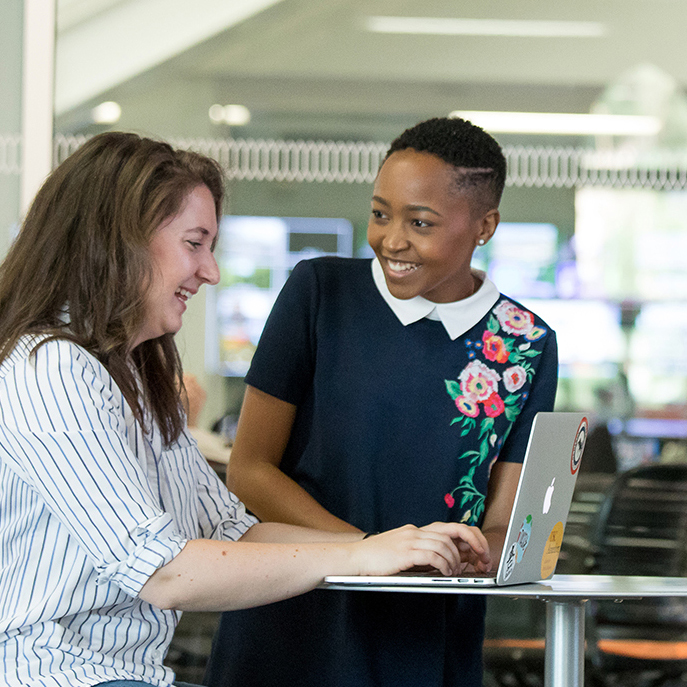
[489, 394]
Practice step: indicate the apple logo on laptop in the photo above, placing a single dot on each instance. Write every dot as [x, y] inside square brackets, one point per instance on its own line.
[548, 496]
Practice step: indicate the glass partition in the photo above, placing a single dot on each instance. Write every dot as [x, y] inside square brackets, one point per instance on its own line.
[11, 30]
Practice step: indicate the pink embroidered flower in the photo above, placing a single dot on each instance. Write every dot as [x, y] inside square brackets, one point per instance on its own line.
[514, 378]
[493, 406]
[478, 382]
[467, 406]
[512, 319]
[495, 348]
[535, 333]
[450, 501]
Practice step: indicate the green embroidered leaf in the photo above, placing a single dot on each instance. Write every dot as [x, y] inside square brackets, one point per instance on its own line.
[529, 370]
[483, 450]
[470, 493]
[456, 419]
[512, 412]
[477, 506]
[530, 353]
[493, 325]
[453, 389]
[471, 473]
[487, 424]
[514, 357]
[511, 399]
[508, 344]
[474, 494]
[477, 510]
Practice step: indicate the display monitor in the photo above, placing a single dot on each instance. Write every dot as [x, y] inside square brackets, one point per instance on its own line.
[521, 259]
[587, 331]
[658, 364]
[255, 256]
[631, 243]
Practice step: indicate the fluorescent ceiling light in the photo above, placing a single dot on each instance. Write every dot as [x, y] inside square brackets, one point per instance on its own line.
[486, 27]
[562, 123]
[234, 115]
[108, 112]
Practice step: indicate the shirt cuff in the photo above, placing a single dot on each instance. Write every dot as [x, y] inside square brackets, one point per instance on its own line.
[153, 544]
[233, 529]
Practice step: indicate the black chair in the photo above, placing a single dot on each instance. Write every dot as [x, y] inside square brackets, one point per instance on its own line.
[641, 529]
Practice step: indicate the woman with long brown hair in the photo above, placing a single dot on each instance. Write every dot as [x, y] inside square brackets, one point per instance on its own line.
[111, 521]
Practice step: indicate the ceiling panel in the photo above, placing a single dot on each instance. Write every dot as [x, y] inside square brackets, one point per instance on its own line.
[318, 59]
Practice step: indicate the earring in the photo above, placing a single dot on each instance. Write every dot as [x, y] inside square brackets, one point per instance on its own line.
[481, 242]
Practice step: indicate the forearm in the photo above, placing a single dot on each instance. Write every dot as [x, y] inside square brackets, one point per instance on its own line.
[254, 474]
[503, 484]
[279, 533]
[495, 536]
[222, 576]
[274, 497]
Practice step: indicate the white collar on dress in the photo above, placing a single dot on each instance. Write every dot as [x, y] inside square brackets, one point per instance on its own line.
[457, 317]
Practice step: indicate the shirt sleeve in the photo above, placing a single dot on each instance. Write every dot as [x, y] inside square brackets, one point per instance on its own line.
[284, 361]
[63, 430]
[541, 398]
[221, 515]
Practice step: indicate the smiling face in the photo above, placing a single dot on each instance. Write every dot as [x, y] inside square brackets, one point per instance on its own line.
[424, 230]
[182, 258]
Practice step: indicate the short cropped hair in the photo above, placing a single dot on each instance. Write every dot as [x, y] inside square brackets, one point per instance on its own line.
[477, 158]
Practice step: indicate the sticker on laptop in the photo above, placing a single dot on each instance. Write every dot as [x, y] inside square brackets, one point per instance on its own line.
[578, 446]
[551, 550]
[518, 547]
[523, 537]
[511, 559]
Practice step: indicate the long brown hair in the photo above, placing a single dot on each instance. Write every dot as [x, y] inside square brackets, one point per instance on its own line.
[83, 251]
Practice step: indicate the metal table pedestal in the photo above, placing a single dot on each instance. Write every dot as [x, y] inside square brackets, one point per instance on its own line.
[565, 596]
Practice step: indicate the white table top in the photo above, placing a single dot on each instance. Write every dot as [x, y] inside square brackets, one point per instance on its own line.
[561, 586]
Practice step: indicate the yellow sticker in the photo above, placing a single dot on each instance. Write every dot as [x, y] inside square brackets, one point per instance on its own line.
[551, 550]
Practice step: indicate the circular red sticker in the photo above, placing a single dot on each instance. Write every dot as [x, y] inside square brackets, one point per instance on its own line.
[578, 446]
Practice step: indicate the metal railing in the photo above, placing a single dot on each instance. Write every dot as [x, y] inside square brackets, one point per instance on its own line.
[357, 162]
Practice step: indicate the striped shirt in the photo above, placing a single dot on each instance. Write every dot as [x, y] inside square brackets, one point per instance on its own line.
[90, 507]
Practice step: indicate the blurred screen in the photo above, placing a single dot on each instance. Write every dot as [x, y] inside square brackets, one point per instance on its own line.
[255, 256]
[521, 259]
[587, 331]
[658, 360]
[631, 243]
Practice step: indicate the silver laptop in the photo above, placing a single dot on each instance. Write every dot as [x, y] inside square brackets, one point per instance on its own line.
[537, 521]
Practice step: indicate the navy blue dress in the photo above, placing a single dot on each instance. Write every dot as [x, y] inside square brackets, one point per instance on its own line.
[395, 424]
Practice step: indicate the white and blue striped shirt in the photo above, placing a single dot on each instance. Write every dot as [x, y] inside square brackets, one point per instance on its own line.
[90, 507]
